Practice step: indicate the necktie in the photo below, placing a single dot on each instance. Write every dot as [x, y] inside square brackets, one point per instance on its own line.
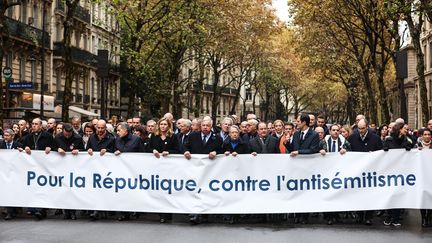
[8, 146]
[301, 136]
[204, 139]
[333, 149]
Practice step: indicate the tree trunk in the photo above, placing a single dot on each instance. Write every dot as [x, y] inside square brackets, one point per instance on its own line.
[415, 30]
[69, 66]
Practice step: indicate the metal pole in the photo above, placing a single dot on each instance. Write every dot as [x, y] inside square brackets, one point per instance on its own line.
[43, 59]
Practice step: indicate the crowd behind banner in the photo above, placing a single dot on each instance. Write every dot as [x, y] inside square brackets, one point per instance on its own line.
[166, 136]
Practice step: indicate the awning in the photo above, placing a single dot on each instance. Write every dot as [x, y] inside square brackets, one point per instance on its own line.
[82, 111]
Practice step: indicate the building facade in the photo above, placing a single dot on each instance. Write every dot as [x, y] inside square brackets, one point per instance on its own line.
[94, 28]
[412, 91]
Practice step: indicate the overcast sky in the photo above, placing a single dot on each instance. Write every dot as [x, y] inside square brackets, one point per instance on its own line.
[281, 9]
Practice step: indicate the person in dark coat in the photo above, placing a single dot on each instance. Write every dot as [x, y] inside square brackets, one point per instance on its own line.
[364, 141]
[397, 140]
[163, 142]
[37, 140]
[183, 135]
[126, 142]
[264, 143]
[204, 142]
[68, 141]
[425, 143]
[101, 141]
[234, 145]
[305, 141]
[9, 142]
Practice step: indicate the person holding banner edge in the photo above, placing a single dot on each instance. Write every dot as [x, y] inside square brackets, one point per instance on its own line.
[204, 142]
[163, 142]
[305, 141]
[398, 139]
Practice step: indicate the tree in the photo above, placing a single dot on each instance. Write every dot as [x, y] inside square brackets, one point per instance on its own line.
[69, 67]
[414, 14]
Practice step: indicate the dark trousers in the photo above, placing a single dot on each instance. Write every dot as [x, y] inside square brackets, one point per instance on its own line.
[365, 215]
[394, 214]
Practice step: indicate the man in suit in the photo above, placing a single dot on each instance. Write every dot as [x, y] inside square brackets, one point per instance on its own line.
[364, 141]
[334, 143]
[305, 141]
[225, 127]
[101, 141]
[204, 142]
[9, 143]
[68, 141]
[263, 143]
[252, 126]
[321, 122]
[37, 140]
[183, 136]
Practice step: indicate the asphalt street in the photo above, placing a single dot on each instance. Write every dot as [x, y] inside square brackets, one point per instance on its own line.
[148, 229]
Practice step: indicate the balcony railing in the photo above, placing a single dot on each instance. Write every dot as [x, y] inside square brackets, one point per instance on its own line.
[209, 88]
[78, 55]
[27, 32]
[80, 12]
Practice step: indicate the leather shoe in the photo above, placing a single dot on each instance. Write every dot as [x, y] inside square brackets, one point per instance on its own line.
[94, 216]
[123, 218]
[368, 222]
[8, 216]
[73, 216]
[194, 220]
[329, 222]
[38, 215]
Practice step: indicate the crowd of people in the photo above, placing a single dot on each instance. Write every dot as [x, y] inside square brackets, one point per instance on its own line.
[165, 136]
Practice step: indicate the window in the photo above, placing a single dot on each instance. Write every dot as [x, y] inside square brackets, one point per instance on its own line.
[10, 12]
[248, 94]
[22, 69]
[33, 72]
[35, 16]
[9, 58]
[58, 80]
[24, 11]
[430, 54]
[93, 91]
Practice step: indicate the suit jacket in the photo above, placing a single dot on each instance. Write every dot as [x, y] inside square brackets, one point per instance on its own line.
[309, 144]
[241, 148]
[170, 144]
[271, 145]
[108, 143]
[15, 145]
[195, 144]
[341, 143]
[42, 140]
[371, 142]
[68, 144]
[129, 143]
[182, 141]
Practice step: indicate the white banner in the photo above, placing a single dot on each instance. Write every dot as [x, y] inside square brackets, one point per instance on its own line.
[244, 184]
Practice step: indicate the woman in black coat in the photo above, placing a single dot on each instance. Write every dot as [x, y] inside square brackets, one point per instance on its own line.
[398, 139]
[234, 144]
[425, 143]
[163, 142]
